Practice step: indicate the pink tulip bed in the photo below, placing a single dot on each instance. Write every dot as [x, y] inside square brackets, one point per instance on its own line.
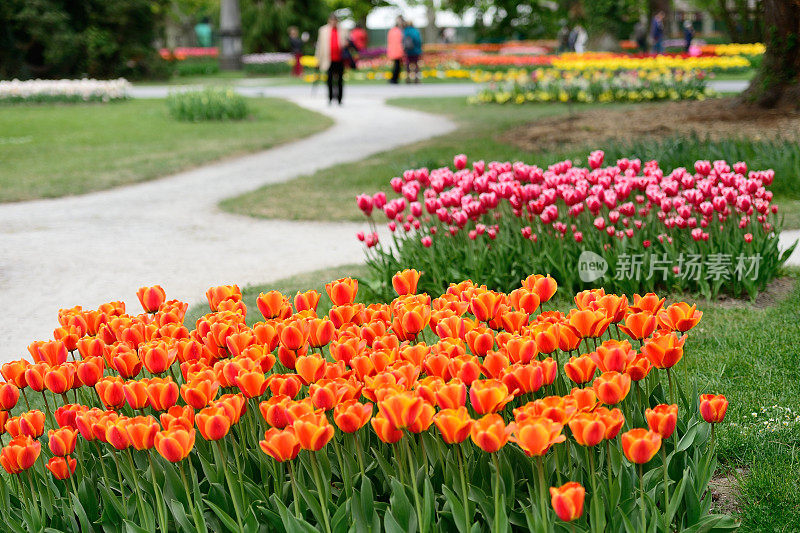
[625, 225]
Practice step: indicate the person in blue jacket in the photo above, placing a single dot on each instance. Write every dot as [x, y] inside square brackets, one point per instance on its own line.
[412, 46]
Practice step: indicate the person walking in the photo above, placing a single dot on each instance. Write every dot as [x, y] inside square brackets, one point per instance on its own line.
[359, 37]
[412, 46]
[394, 48]
[331, 44]
[296, 45]
[640, 35]
[657, 32]
[688, 34]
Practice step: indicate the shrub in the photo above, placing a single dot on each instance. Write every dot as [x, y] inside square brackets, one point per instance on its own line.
[208, 104]
[626, 226]
[478, 425]
[196, 67]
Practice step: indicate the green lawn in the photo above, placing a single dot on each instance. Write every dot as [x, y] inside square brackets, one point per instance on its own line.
[57, 150]
[747, 353]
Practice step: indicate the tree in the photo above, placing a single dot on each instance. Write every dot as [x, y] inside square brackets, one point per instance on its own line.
[743, 19]
[778, 80]
[65, 38]
[511, 19]
[265, 22]
[230, 35]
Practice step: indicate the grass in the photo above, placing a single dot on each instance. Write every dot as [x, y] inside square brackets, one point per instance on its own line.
[746, 353]
[56, 150]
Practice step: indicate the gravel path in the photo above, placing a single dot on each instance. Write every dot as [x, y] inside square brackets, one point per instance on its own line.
[90, 249]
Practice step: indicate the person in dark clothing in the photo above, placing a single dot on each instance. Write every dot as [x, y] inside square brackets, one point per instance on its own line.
[412, 46]
[688, 34]
[296, 45]
[657, 33]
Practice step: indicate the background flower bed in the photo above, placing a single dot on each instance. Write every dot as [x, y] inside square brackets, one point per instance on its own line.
[66, 91]
[492, 222]
[211, 103]
[599, 86]
[204, 498]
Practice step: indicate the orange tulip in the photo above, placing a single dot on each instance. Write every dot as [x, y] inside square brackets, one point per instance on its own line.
[157, 356]
[664, 349]
[455, 425]
[494, 364]
[306, 301]
[524, 300]
[586, 399]
[199, 392]
[401, 409]
[544, 286]
[488, 396]
[559, 409]
[273, 304]
[480, 340]
[342, 291]
[567, 500]
[213, 423]
[135, 393]
[69, 336]
[326, 394]
[662, 419]
[34, 376]
[351, 415]
[175, 444]
[310, 368]
[287, 384]
[59, 379]
[485, 305]
[216, 295]
[451, 395]
[490, 433]
[20, 454]
[536, 434]
[61, 467]
[613, 420]
[53, 353]
[424, 420]
[580, 369]
[9, 396]
[639, 325]
[640, 445]
[252, 384]
[31, 423]
[713, 407]
[14, 372]
[125, 360]
[117, 434]
[649, 302]
[234, 405]
[313, 431]
[521, 349]
[163, 393]
[90, 370]
[612, 387]
[638, 367]
[588, 322]
[142, 432]
[679, 317]
[546, 337]
[320, 332]
[614, 306]
[385, 430]
[524, 378]
[588, 429]
[151, 298]
[405, 282]
[280, 444]
[613, 355]
[62, 441]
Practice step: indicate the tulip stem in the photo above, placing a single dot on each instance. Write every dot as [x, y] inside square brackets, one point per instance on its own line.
[671, 389]
[234, 495]
[610, 467]
[497, 481]
[189, 496]
[464, 491]
[666, 487]
[345, 472]
[294, 491]
[641, 490]
[162, 520]
[542, 487]
[119, 478]
[321, 493]
[33, 492]
[100, 460]
[25, 397]
[359, 453]
[413, 482]
[139, 501]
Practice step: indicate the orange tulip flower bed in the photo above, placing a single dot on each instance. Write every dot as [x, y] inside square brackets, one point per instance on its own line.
[625, 225]
[472, 411]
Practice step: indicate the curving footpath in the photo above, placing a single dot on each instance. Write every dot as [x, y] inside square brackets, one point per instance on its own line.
[90, 249]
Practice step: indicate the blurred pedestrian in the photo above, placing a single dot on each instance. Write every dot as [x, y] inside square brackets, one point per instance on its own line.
[296, 46]
[657, 32]
[688, 34]
[578, 39]
[331, 44]
[563, 37]
[359, 37]
[640, 35]
[203, 33]
[412, 46]
[394, 48]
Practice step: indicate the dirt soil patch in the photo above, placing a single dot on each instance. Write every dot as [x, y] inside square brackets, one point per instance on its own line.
[776, 291]
[715, 118]
[725, 491]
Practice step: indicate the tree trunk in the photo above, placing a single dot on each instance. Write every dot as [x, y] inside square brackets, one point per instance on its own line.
[230, 33]
[778, 80]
